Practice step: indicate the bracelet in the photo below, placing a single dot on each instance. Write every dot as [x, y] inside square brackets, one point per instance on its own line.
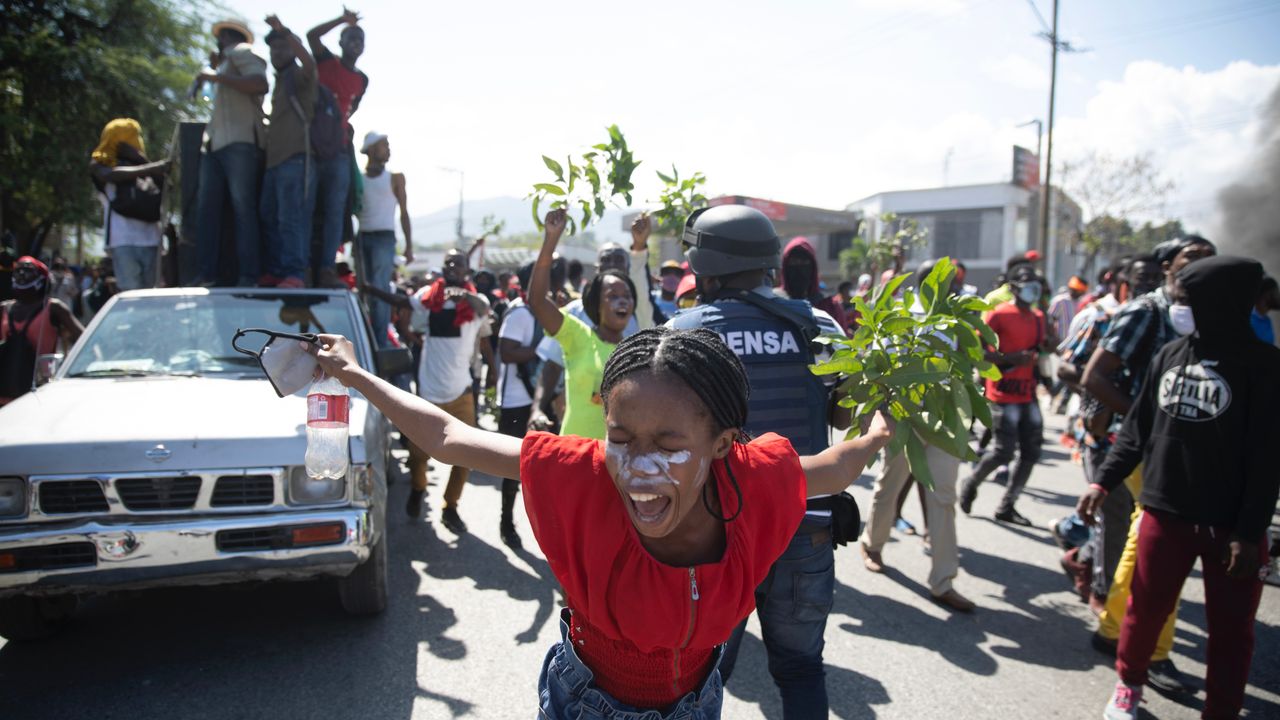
[1099, 488]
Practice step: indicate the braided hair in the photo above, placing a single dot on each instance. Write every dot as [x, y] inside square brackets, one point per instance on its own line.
[591, 297]
[702, 361]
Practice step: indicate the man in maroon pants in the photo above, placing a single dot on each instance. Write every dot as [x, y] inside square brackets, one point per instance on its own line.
[1205, 427]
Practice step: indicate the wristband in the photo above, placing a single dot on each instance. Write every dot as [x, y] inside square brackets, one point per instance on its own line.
[1099, 488]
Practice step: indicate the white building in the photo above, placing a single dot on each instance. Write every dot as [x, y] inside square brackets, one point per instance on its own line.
[983, 225]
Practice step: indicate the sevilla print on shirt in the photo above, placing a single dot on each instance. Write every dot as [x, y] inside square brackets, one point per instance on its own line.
[1194, 392]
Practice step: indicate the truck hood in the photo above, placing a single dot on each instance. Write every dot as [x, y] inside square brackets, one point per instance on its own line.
[106, 425]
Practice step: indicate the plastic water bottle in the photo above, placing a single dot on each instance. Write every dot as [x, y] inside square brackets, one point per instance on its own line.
[328, 406]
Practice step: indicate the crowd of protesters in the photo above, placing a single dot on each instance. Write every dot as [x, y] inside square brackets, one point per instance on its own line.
[1166, 368]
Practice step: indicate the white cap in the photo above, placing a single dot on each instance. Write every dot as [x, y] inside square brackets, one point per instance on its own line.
[372, 138]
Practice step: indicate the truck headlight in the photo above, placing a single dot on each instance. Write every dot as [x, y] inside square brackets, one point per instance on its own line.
[13, 497]
[306, 490]
[361, 481]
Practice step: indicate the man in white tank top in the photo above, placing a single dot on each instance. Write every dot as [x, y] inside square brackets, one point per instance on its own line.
[383, 191]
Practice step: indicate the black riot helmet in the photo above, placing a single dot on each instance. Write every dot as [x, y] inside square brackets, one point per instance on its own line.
[728, 239]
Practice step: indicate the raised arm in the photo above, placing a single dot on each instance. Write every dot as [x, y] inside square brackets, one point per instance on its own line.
[121, 173]
[640, 230]
[540, 284]
[834, 469]
[442, 436]
[318, 49]
[299, 50]
[390, 298]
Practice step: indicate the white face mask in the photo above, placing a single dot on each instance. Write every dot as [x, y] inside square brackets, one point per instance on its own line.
[1184, 323]
[1029, 293]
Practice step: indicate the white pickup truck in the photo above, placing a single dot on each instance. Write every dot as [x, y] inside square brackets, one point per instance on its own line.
[157, 456]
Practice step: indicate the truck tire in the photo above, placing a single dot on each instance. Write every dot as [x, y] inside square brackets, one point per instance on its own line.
[23, 617]
[364, 591]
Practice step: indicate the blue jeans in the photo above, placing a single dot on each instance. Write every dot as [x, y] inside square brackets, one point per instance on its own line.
[333, 182]
[135, 265]
[230, 172]
[286, 217]
[793, 603]
[1018, 428]
[566, 691]
[378, 261]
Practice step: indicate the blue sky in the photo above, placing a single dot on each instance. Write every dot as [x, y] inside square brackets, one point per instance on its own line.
[812, 102]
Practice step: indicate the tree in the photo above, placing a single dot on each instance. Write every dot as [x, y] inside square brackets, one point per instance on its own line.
[870, 256]
[66, 69]
[1114, 190]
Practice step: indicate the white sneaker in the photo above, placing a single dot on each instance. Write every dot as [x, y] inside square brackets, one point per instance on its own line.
[1124, 703]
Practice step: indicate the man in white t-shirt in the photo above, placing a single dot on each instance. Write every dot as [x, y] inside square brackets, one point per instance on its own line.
[453, 313]
[517, 355]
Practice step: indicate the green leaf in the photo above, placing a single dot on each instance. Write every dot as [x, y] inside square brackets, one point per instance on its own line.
[666, 178]
[537, 218]
[554, 167]
[885, 295]
[981, 406]
[988, 371]
[917, 461]
[550, 188]
[842, 363]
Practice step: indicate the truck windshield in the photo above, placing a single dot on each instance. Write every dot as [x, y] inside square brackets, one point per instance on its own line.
[191, 334]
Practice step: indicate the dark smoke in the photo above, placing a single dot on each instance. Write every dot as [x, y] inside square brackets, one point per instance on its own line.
[1251, 206]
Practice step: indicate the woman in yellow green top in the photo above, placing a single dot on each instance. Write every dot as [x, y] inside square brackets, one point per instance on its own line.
[609, 301]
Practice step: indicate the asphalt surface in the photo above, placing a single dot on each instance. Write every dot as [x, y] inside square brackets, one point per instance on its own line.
[469, 622]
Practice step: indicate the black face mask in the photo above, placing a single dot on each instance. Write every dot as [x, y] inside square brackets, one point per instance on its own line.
[799, 279]
[288, 367]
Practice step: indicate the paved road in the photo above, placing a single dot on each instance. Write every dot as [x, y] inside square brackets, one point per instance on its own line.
[469, 622]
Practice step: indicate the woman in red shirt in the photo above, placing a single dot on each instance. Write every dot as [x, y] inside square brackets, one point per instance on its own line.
[660, 534]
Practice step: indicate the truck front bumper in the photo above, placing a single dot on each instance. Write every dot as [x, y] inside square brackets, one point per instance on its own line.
[115, 553]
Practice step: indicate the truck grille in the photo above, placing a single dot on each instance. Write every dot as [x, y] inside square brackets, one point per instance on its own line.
[72, 496]
[159, 493]
[50, 557]
[237, 490]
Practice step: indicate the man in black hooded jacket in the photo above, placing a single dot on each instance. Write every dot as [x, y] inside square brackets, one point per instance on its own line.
[1205, 427]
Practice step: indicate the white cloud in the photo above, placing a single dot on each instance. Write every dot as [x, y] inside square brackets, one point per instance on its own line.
[1200, 127]
[1018, 71]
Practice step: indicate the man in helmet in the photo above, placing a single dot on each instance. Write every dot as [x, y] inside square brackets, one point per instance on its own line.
[731, 248]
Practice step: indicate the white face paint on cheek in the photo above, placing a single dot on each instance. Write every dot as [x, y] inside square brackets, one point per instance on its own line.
[648, 469]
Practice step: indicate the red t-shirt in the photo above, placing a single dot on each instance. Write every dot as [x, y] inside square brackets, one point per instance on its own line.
[346, 85]
[636, 621]
[1018, 330]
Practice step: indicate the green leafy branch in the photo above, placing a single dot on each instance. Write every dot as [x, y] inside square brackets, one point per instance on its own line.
[917, 356]
[490, 226]
[679, 199]
[586, 185]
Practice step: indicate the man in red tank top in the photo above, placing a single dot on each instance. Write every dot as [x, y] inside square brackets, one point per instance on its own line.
[30, 326]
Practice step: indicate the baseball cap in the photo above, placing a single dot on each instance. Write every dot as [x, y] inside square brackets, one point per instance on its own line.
[372, 138]
[670, 266]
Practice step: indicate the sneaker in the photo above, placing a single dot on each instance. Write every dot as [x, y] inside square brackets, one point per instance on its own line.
[328, 278]
[509, 536]
[291, 283]
[414, 505]
[450, 519]
[871, 559]
[904, 527]
[1163, 676]
[1013, 517]
[1124, 703]
[955, 601]
[966, 503]
[1080, 573]
[1103, 644]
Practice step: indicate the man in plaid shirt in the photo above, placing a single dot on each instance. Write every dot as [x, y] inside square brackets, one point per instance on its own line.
[1137, 332]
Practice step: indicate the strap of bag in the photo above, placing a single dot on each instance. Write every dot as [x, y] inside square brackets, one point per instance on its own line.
[291, 89]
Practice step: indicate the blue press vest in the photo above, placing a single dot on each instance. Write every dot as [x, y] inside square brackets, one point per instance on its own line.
[786, 398]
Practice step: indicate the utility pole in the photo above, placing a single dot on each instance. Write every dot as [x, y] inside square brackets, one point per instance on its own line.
[1045, 201]
[461, 179]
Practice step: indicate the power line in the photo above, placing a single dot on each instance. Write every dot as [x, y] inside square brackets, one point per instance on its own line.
[1044, 25]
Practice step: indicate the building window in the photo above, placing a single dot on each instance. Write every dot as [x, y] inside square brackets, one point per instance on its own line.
[837, 242]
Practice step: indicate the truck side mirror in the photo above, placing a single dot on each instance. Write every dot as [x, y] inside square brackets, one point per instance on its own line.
[47, 366]
[393, 361]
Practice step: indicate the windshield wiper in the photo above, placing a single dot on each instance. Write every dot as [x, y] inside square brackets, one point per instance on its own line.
[119, 372]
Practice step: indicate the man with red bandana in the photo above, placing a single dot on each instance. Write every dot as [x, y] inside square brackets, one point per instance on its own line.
[30, 326]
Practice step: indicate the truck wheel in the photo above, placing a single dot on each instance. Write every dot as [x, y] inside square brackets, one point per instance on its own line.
[364, 591]
[33, 618]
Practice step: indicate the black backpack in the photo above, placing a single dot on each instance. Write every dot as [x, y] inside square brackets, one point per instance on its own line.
[326, 134]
